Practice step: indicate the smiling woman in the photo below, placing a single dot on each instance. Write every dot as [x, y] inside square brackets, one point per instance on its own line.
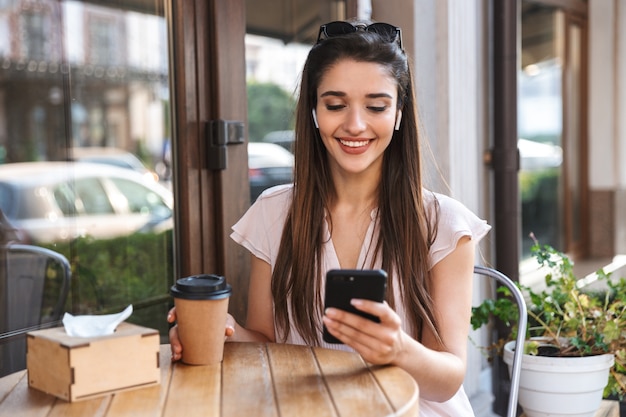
[357, 202]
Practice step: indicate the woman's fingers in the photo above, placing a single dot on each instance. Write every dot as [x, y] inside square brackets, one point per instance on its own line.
[176, 347]
[380, 310]
[229, 331]
[376, 342]
[171, 315]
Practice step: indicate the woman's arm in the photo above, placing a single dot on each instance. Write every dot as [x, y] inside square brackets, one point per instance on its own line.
[441, 370]
[260, 318]
[438, 370]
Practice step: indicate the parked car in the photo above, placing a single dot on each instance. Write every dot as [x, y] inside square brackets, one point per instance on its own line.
[111, 156]
[284, 138]
[59, 201]
[268, 165]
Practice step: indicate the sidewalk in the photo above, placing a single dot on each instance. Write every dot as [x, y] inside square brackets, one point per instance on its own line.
[585, 270]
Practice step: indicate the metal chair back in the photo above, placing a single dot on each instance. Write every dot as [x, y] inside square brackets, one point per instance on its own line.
[522, 324]
[27, 275]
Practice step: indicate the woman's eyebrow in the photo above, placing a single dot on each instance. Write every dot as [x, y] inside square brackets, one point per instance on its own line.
[333, 93]
[342, 94]
[379, 95]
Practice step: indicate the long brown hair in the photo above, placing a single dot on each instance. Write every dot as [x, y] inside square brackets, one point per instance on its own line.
[406, 230]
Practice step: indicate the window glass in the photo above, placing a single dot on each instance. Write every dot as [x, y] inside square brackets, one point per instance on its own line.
[141, 199]
[7, 200]
[85, 102]
[92, 196]
[272, 72]
[540, 127]
[551, 124]
[65, 198]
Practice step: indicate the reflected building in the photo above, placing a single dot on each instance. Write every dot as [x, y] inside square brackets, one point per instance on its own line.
[80, 74]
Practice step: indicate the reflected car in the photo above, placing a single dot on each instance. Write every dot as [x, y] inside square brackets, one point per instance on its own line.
[111, 156]
[268, 165]
[59, 201]
[284, 138]
[536, 155]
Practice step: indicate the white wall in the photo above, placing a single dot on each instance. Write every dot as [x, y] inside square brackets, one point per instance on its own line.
[620, 118]
[602, 155]
[607, 107]
[620, 108]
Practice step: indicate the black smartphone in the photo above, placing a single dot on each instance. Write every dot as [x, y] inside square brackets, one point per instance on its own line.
[342, 285]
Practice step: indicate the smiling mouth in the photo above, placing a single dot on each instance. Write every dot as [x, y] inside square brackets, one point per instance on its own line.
[354, 143]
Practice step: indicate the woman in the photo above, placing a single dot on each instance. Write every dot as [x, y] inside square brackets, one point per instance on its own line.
[357, 202]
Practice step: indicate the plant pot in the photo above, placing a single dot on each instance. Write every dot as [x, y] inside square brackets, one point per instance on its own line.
[559, 386]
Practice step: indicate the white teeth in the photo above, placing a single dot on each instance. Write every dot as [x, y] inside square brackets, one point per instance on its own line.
[353, 144]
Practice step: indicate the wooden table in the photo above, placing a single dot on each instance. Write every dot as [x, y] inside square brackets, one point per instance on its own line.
[253, 380]
[607, 408]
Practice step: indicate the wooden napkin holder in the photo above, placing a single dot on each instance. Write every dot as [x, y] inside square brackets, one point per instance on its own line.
[79, 368]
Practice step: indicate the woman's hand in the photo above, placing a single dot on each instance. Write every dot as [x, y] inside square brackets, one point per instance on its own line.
[378, 343]
[175, 344]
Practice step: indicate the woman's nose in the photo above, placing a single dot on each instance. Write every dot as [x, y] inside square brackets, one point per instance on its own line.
[354, 122]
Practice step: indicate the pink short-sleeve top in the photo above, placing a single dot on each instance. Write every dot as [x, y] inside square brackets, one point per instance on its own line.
[260, 230]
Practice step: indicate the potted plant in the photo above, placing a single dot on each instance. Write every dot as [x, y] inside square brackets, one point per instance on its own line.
[570, 329]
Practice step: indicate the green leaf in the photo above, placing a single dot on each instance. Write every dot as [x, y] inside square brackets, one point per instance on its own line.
[611, 331]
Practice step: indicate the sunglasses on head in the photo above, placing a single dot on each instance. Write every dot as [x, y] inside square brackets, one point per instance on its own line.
[389, 33]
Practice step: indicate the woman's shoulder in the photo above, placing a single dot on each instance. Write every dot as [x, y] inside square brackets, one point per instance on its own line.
[273, 204]
[276, 194]
[454, 220]
[260, 228]
[441, 204]
[448, 210]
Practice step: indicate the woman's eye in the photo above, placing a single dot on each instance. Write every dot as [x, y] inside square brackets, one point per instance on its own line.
[334, 107]
[377, 109]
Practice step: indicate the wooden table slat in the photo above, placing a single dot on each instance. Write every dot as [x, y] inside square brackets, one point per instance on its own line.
[404, 396]
[300, 388]
[248, 366]
[8, 383]
[25, 402]
[353, 388]
[608, 408]
[194, 391]
[95, 407]
[146, 401]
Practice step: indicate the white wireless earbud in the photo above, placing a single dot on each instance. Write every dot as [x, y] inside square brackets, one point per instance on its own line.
[315, 118]
[398, 119]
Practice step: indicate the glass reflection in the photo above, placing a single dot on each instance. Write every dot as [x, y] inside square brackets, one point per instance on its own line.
[84, 168]
[540, 116]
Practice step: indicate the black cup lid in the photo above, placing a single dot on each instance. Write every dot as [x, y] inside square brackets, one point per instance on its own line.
[201, 287]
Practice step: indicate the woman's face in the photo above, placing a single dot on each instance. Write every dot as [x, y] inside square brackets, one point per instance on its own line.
[356, 114]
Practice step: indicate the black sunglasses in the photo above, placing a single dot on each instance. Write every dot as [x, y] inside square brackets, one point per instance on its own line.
[389, 33]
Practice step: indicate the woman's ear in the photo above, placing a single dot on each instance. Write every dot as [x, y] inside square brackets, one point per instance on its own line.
[398, 120]
[315, 118]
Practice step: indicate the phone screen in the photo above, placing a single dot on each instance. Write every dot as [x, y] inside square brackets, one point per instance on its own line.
[342, 285]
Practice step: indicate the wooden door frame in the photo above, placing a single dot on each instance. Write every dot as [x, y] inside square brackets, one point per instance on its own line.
[577, 248]
[208, 66]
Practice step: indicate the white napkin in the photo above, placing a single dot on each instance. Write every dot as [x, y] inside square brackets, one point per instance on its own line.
[91, 326]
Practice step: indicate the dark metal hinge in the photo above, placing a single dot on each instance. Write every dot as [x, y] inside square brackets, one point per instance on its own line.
[219, 134]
